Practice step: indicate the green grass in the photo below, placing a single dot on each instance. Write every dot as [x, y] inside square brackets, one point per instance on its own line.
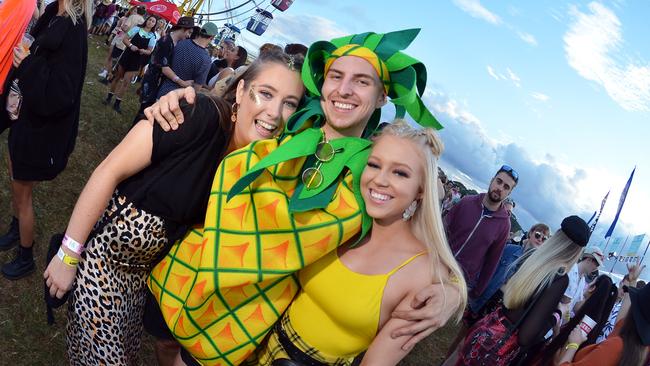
[25, 337]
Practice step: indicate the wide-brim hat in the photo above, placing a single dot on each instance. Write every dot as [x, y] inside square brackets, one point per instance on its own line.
[106, 2]
[640, 306]
[596, 254]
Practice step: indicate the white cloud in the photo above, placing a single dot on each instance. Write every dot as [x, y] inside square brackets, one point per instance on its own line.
[476, 10]
[549, 189]
[539, 96]
[514, 78]
[594, 47]
[527, 37]
[492, 73]
[305, 29]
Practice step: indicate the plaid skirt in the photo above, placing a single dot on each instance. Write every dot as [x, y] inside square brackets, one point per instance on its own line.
[284, 342]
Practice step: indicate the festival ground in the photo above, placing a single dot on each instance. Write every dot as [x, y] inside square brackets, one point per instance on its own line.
[25, 337]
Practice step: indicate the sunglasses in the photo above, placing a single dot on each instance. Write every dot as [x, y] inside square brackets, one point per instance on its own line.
[312, 177]
[508, 169]
[541, 236]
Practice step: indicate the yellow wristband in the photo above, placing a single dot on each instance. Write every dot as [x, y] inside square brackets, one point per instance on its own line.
[70, 261]
[571, 346]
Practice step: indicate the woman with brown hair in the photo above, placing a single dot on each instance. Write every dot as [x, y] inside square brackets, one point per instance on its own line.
[47, 83]
[151, 189]
[627, 345]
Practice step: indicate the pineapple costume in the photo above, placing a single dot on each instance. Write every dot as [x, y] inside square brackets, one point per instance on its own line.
[223, 286]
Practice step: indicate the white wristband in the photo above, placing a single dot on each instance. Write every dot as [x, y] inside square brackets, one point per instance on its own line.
[73, 245]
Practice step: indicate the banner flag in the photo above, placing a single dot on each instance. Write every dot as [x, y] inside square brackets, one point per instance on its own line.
[620, 204]
[635, 244]
[616, 245]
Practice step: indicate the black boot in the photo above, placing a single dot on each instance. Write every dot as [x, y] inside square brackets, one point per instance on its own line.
[23, 265]
[116, 105]
[108, 99]
[12, 237]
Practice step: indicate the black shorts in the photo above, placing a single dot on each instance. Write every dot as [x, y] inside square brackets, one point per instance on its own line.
[153, 320]
[116, 53]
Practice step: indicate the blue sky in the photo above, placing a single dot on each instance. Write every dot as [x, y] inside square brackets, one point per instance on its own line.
[558, 90]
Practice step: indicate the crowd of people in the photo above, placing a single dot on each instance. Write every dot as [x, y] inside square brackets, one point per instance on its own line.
[260, 211]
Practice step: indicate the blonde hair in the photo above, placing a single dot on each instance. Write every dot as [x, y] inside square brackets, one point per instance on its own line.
[427, 221]
[537, 271]
[76, 9]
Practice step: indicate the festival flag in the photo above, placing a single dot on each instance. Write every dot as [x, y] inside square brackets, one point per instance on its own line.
[635, 244]
[620, 204]
[597, 216]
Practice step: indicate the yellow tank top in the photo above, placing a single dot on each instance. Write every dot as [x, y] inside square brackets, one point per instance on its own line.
[337, 310]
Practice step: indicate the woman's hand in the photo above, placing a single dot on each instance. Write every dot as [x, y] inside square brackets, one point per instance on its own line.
[19, 55]
[577, 336]
[167, 112]
[634, 271]
[60, 276]
[429, 310]
[133, 48]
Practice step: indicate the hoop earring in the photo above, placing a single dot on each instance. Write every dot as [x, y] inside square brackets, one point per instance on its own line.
[410, 211]
[233, 115]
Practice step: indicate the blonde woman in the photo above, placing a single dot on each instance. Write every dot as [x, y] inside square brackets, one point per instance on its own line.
[348, 296]
[48, 79]
[530, 301]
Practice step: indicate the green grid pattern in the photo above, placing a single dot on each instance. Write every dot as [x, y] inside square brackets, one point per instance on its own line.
[266, 282]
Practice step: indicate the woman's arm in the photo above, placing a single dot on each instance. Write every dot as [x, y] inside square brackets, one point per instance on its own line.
[127, 39]
[388, 350]
[129, 157]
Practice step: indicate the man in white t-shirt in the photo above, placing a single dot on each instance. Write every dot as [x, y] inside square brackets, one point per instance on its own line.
[592, 258]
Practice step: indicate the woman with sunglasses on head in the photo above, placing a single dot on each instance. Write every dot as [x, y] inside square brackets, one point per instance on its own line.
[145, 195]
[530, 301]
[536, 236]
[347, 297]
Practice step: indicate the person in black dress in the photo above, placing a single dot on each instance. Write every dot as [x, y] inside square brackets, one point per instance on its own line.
[140, 42]
[47, 80]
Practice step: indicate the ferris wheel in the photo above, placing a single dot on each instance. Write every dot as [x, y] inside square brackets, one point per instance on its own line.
[234, 16]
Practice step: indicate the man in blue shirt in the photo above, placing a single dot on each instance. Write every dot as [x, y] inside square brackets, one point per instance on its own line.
[191, 61]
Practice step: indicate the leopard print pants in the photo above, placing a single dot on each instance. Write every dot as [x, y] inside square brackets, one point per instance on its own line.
[107, 303]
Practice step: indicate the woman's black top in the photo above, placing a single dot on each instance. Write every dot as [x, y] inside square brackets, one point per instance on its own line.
[50, 80]
[539, 320]
[176, 186]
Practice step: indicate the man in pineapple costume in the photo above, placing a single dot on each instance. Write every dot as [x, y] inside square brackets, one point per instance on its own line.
[278, 205]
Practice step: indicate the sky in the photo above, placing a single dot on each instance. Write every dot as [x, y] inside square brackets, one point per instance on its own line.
[560, 91]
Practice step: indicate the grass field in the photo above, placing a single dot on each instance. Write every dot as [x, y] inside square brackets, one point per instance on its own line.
[25, 337]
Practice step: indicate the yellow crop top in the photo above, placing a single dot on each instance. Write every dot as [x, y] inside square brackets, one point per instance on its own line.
[337, 310]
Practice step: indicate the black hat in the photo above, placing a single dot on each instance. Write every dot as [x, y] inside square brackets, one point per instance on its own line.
[576, 229]
[185, 22]
[640, 307]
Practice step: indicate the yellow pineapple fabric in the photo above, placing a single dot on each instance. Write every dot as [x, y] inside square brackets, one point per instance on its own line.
[223, 286]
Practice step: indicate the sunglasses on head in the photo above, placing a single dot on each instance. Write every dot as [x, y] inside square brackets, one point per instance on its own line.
[508, 169]
[541, 236]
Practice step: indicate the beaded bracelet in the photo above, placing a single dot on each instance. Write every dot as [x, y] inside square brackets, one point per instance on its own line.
[73, 245]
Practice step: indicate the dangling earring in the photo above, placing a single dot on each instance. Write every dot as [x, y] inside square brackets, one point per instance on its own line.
[234, 108]
[410, 211]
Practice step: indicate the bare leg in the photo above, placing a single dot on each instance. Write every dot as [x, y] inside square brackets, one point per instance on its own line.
[22, 201]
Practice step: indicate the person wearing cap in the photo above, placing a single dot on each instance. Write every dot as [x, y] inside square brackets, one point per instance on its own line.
[591, 260]
[530, 300]
[628, 344]
[349, 80]
[191, 61]
[159, 67]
